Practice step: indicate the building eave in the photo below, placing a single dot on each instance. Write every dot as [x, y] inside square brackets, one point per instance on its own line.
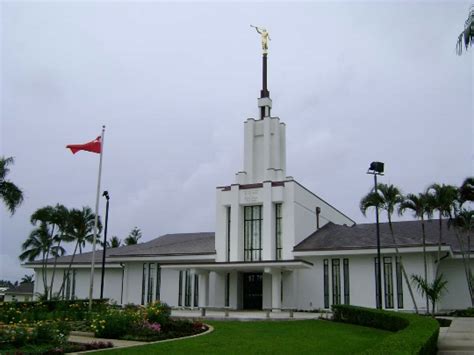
[371, 251]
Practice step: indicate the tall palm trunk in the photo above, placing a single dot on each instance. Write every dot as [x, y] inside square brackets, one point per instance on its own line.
[66, 276]
[440, 240]
[466, 267]
[402, 268]
[424, 260]
[43, 269]
[54, 271]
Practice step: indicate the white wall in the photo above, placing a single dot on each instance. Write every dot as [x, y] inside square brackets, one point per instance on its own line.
[457, 296]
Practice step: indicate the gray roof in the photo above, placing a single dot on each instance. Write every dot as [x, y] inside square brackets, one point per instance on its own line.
[169, 244]
[24, 288]
[363, 236]
[172, 244]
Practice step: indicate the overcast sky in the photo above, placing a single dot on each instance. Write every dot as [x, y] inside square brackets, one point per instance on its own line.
[173, 83]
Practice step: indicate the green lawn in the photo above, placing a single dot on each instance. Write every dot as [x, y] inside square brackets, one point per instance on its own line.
[270, 337]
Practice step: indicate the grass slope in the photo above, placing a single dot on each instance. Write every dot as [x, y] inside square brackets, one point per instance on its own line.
[271, 337]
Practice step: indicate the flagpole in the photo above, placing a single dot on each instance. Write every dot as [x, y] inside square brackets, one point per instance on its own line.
[96, 220]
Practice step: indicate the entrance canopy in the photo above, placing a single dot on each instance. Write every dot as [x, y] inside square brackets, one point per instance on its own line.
[249, 266]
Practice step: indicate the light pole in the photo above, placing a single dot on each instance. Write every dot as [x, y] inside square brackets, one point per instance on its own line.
[376, 168]
[106, 195]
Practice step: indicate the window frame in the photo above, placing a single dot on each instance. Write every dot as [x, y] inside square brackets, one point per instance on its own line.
[253, 233]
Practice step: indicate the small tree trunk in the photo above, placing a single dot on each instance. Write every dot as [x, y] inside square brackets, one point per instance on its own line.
[424, 260]
[405, 276]
[440, 240]
[465, 263]
[66, 276]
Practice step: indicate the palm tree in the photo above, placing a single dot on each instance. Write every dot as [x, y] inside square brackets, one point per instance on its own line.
[133, 237]
[80, 229]
[443, 200]
[464, 224]
[420, 205]
[387, 198]
[11, 194]
[27, 279]
[60, 219]
[466, 191]
[433, 291]
[114, 242]
[40, 243]
[467, 35]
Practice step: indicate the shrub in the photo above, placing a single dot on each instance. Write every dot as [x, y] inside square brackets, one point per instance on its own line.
[413, 334]
[468, 312]
[158, 312]
[115, 324]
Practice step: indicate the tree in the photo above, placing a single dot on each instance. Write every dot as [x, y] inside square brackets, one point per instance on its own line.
[443, 198]
[11, 194]
[81, 230]
[114, 242]
[420, 205]
[464, 224]
[466, 37]
[133, 237]
[40, 243]
[387, 198]
[27, 279]
[466, 191]
[56, 219]
[432, 291]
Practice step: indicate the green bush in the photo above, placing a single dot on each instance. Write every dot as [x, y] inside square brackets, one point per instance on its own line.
[14, 336]
[49, 310]
[469, 312]
[114, 323]
[158, 312]
[413, 334]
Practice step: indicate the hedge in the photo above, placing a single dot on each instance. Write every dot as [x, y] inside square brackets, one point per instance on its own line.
[413, 334]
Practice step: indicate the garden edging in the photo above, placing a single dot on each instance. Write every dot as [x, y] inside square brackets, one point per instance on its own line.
[209, 330]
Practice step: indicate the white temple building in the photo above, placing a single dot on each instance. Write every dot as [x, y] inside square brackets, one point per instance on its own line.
[276, 246]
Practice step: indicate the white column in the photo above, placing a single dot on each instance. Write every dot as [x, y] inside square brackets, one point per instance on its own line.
[248, 148]
[236, 239]
[203, 288]
[276, 144]
[276, 290]
[267, 151]
[268, 223]
[283, 148]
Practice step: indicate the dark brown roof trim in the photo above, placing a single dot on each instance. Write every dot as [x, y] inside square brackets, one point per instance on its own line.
[243, 262]
[169, 254]
[368, 247]
[254, 186]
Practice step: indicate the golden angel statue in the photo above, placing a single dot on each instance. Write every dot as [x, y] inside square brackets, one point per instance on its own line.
[265, 38]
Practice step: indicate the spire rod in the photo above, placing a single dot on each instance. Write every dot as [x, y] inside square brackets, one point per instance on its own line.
[264, 93]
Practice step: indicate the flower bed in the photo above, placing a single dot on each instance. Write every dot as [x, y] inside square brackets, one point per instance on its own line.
[149, 323]
[41, 335]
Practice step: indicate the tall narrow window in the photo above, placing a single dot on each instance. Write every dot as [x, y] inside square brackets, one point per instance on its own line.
[346, 281]
[228, 234]
[144, 282]
[326, 283]
[336, 281]
[158, 282]
[187, 289]
[399, 283]
[196, 291]
[376, 273]
[253, 233]
[388, 281]
[151, 281]
[227, 289]
[180, 288]
[278, 219]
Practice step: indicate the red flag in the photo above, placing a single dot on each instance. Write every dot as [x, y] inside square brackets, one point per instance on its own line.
[94, 146]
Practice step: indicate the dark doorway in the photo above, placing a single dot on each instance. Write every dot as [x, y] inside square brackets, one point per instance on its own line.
[252, 288]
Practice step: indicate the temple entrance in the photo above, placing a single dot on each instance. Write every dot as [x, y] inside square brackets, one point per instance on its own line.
[252, 290]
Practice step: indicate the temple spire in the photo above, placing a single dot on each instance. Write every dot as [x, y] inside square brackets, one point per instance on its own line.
[264, 102]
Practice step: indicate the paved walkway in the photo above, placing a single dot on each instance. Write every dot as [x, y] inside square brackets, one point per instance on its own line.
[86, 338]
[245, 315]
[458, 338]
